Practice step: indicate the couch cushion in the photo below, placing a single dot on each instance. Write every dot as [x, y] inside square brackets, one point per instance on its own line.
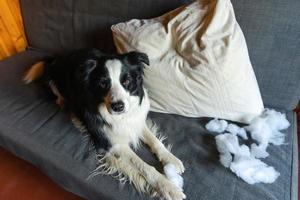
[33, 128]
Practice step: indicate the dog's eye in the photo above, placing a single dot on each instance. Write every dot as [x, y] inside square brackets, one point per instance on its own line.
[126, 82]
[103, 82]
[139, 77]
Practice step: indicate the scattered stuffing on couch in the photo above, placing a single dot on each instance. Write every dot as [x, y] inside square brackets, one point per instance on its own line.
[243, 164]
[243, 161]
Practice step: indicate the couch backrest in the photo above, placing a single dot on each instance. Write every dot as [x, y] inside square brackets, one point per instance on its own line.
[271, 28]
[272, 32]
[58, 25]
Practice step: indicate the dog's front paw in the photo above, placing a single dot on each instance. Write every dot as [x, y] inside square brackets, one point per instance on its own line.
[169, 158]
[168, 190]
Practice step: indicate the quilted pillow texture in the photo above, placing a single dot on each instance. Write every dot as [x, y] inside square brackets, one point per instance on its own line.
[199, 62]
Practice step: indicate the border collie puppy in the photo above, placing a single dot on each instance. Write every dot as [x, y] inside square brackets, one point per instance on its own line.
[106, 95]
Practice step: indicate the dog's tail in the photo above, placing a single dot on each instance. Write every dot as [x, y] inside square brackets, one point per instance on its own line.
[35, 72]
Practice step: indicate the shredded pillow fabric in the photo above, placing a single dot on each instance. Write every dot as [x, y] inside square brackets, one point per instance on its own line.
[242, 160]
[199, 62]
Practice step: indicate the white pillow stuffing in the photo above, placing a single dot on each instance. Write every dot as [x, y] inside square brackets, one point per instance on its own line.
[172, 175]
[264, 129]
[216, 125]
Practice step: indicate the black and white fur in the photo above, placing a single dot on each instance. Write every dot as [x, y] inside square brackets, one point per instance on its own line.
[106, 94]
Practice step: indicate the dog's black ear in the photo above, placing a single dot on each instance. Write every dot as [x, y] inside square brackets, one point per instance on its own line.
[90, 65]
[135, 57]
[85, 68]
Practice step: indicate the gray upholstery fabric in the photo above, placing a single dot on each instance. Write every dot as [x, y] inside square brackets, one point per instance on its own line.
[271, 27]
[72, 24]
[272, 31]
[32, 127]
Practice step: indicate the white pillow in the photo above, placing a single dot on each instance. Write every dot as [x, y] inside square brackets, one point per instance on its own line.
[199, 63]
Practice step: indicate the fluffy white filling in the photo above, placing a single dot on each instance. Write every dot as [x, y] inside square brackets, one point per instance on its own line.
[227, 145]
[253, 170]
[236, 130]
[242, 163]
[172, 175]
[216, 125]
[264, 129]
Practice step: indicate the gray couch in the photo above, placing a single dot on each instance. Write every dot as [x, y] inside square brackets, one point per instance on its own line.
[33, 128]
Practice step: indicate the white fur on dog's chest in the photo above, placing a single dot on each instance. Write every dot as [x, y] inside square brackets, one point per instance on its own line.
[127, 128]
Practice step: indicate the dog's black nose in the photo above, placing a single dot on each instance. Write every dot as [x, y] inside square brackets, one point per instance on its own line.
[118, 106]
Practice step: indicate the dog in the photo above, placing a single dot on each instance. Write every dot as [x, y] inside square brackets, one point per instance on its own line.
[105, 93]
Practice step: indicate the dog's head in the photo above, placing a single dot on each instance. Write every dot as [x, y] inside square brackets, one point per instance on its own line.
[115, 82]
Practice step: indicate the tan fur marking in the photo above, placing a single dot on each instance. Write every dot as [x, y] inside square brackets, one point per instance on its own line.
[35, 72]
[60, 101]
